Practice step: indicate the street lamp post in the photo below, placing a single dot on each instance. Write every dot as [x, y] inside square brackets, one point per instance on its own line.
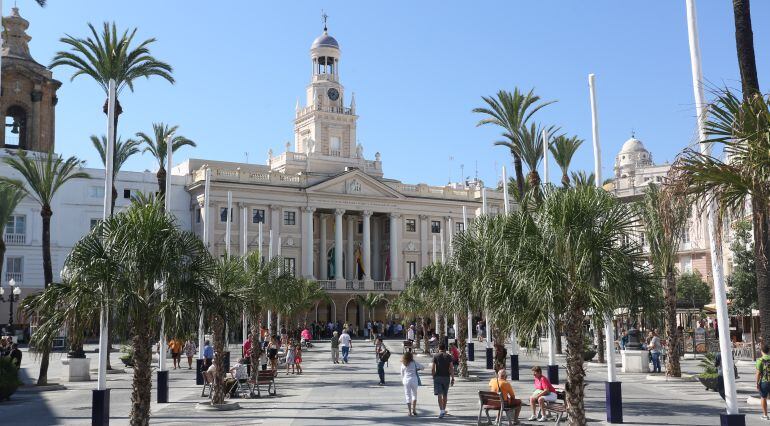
[12, 297]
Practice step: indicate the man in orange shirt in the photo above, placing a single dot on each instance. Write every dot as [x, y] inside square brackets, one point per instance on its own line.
[502, 385]
[176, 351]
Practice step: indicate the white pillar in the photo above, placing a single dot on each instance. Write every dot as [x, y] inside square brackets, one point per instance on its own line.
[394, 251]
[270, 258]
[434, 251]
[338, 273]
[228, 223]
[423, 241]
[367, 245]
[545, 157]
[275, 227]
[443, 250]
[609, 333]
[488, 329]
[307, 242]
[551, 340]
[507, 205]
[322, 259]
[465, 218]
[376, 254]
[206, 229]
[259, 237]
[244, 230]
[484, 201]
[720, 297]
[351, 256]
[470, 325]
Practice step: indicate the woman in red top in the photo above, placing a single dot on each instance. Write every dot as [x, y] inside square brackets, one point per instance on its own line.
[544, 392]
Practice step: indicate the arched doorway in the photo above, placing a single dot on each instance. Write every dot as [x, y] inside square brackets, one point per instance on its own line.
[353, 313]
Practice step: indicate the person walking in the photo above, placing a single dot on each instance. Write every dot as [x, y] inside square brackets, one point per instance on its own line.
[298, 358]
[346, 343]
[763, 378]
[336, 347]
[383, 354]
[411, 380]
[272, 354]
[410, 333]
[189, 351]
[443, 377]
[655, 351]
[176, 351]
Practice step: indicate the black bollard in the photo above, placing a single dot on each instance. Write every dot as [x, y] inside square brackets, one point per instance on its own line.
[490, 359]
[553, 374]
[100, 407]
[471, 354]
[162, 387]
[514, 367]
[226, 361]
[732, 419]
[199, 366]
[614, 402]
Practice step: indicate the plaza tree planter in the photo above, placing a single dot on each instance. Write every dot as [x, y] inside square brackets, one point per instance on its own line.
[709, 381]
[9, 378]
[588, 355]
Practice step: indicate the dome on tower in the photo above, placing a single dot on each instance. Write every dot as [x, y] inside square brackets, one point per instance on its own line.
[325, 40]
[633, 145]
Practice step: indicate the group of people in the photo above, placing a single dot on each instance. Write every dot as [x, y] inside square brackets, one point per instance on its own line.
[384, 329]
[10, 349]
[177, 348]
[341, 343]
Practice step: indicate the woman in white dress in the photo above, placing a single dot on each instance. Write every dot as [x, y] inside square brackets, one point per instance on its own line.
[409, 378]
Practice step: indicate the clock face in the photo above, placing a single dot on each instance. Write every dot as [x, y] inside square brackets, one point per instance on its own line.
[333, 94]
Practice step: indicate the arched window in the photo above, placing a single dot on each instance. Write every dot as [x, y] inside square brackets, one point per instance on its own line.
[16, 127]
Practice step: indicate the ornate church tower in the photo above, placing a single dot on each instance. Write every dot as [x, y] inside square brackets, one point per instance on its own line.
[28, 96]
[325, 127]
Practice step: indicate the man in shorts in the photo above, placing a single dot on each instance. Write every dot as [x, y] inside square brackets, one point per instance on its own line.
[443, 376]
[763, 378]
[544, 392]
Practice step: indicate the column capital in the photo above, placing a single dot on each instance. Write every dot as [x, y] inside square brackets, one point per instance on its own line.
[274, 207]
[339, 212]
[367, 213]
[447, 217]
[423, 217]
[394, 215]
[308, 209]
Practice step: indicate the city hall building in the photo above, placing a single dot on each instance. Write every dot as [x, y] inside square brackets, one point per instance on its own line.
[334, 215]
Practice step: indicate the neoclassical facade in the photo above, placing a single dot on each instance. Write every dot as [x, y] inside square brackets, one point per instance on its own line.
[326, 208]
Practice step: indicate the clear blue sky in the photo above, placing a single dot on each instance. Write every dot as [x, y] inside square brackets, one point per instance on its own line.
[417, 69]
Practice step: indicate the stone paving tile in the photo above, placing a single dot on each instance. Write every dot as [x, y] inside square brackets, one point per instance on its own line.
[348, 394]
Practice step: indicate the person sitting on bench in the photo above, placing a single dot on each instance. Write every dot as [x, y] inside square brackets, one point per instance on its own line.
[544, 392]
[502, 385]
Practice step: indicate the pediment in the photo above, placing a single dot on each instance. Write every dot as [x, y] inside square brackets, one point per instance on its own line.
[355, 183]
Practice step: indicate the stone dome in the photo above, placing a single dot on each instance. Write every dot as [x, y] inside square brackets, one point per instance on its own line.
[633, 145]
[325, 40]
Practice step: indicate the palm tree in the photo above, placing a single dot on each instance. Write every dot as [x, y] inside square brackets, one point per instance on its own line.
[664, 214]
[43, 177]
[511, 111]
[563, 149]
[742, 127]
[229, 291]
[10, 197]
[123, 151]
[370, 301]
[744, 44]
[582, 178]
[531, 138]
[156, 145]
[109, 56]
[567, 256]
[414, 302]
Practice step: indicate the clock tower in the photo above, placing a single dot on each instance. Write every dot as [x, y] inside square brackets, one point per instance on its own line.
[325, 127]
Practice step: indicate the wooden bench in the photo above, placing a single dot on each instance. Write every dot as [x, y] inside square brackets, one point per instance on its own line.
[408, 346]
[494, 401]
[558, 408]
[265, 377]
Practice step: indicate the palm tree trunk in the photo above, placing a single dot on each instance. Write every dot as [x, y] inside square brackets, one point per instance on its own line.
[256, 349]
[499, 336]
[462, 338]
[440, 329]
[519, 173]
[672, 361]
[762, 256]
[142, 384]
[575, 372]
[218, 391]
[114, 198]
[744, 44]
[46, 213]
[565, 179]
[161, 175]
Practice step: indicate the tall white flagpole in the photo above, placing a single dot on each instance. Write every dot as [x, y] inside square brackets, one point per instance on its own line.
[614, 402]
[731, 400]
[206, 228]
[244, 252]
[505, 192]
[167, 205]
[545, 156]
[441, 236]
[269, 259]
[109, 156]
[433, 252]
[469, 340]
[228, 224]
[259, 237]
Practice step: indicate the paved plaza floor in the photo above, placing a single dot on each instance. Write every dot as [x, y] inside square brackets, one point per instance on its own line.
[348, 394]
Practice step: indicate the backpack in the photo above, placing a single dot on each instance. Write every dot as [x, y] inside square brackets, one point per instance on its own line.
[765, 371]
[385, 355]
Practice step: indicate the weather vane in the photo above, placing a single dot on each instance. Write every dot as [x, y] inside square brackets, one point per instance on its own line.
[324, 16]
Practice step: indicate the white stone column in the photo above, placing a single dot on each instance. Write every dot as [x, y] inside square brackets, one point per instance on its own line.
[395, 259]
[338, 247]
[322, 259]
[423, 241]
[275, 226]
[307, 242]
[367, 245]
[351, 254]
[376, 255]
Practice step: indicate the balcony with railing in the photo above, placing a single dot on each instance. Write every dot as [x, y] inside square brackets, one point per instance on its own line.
[16, 276]
[354, 285]
[255, 175]
[327, 284]
[325, 108]
[383, 285]
[15, 239]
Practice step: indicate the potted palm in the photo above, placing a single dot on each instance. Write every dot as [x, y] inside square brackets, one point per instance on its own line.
[709, 377]
[128, 356]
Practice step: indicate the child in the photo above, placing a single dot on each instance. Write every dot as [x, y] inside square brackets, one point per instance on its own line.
[298, 358]
[290, 356]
